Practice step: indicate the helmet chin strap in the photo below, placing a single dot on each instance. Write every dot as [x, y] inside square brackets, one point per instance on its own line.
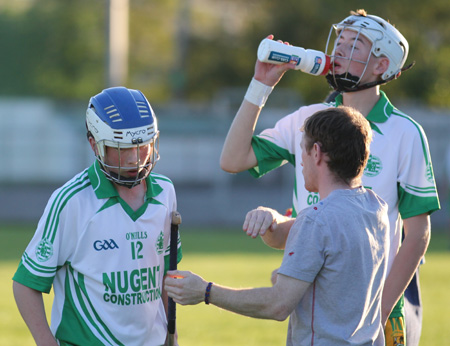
[346, 82]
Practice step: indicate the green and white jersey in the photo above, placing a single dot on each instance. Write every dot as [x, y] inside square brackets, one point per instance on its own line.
[399, 168]
[105, 261]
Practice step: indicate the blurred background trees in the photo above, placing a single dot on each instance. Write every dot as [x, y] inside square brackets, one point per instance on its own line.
[190, 50]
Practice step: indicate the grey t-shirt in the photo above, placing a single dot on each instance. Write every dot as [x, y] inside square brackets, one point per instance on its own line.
[340, 245]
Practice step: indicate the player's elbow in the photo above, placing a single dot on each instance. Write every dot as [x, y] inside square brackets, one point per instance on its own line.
[277, 311]
[229, 165]
[281, 312]
[237, 162]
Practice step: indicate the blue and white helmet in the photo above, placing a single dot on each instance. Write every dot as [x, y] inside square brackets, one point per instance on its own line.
[122, 118]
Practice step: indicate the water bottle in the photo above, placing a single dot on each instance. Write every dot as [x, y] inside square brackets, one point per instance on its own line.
[307, 60]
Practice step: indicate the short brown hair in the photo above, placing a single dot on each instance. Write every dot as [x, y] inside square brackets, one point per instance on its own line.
[344, 135]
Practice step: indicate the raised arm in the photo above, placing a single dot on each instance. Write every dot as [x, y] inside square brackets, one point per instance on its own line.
[237, 153]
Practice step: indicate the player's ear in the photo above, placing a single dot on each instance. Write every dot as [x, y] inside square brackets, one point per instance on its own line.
[381, 66]
[317, 152]
[92, 143]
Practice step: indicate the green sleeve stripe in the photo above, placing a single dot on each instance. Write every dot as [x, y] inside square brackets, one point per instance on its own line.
[36, 266]
[419, 129]
[38, 283]
[269, 156]
[56, 223]
[60, 201]
[421, 190]
[410, 205]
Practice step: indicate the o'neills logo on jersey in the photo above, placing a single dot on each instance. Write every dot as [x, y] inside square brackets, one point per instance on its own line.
[373, 167]
[136, 235]
[138, 286]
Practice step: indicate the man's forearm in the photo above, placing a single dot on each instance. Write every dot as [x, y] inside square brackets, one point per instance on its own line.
[412, 250]
[237, 153]
[255, 302]
[276, 302]
[277, 238]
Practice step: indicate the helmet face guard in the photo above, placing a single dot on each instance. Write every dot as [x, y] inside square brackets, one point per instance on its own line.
[386, 41]
[128, 175]
[345, 81]
[126, 135]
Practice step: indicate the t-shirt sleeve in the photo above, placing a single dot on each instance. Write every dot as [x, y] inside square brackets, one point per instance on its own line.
[275, 146]
[417, 188]
[47, 250]
[305, 251]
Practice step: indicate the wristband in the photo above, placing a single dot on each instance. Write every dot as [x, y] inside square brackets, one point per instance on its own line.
[208, 292]
[258, 93]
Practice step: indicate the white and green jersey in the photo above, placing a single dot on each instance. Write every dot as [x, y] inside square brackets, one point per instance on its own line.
[399, 169]
[105, 261]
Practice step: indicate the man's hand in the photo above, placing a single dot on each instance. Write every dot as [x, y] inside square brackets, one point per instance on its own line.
[258, 221]
[270, 74]
[184, 287]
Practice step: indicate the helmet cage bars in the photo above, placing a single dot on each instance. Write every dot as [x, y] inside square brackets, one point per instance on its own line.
[386, 41]
[122, 119]
[117, 174]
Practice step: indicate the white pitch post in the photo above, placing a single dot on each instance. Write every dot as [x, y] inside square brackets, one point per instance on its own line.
[117, 39]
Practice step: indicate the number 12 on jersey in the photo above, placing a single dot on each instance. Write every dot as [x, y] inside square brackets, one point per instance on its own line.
[136, 248]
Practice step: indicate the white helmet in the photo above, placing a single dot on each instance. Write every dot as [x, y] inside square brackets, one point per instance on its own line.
[385, 38]
[122, 118]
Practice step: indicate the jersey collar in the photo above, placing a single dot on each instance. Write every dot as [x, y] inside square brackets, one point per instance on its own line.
[104, 188]
[380, 113]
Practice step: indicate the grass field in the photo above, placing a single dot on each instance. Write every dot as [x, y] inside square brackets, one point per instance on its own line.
[230, 258]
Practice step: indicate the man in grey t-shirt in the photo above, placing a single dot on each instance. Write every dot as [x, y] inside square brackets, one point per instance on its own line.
[331, 278]
[339, 247]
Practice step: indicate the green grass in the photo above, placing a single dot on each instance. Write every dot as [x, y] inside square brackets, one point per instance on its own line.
[229, 258]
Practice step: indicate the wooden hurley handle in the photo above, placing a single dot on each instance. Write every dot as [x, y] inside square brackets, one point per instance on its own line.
[176, 218]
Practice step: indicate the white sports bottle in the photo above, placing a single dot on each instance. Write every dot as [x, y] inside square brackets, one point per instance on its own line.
[307, 60]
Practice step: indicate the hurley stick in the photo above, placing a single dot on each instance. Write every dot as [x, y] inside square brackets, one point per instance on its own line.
[176, 220]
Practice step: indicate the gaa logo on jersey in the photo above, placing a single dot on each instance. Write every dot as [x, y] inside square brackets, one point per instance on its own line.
[373, 167]
[160, 243]
[100, 245]
[44, 250]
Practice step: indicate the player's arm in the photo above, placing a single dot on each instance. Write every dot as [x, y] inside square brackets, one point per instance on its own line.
[276, 302]
[237, 153]
[270, 225]
[31, 306]
[412, 249]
